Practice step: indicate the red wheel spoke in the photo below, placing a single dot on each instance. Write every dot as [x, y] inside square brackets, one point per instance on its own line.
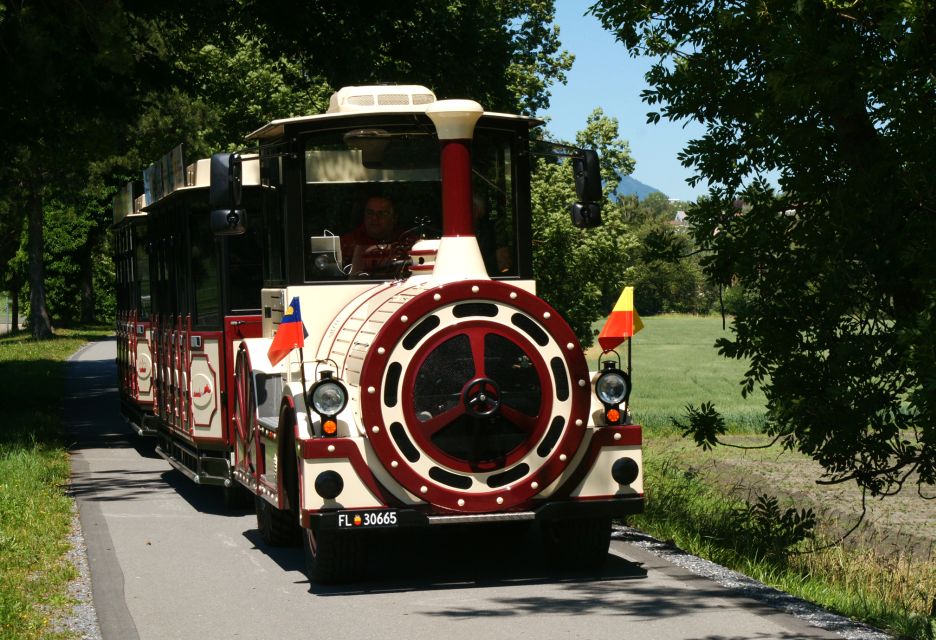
[477, 352]
[519, 419]
[435, 424]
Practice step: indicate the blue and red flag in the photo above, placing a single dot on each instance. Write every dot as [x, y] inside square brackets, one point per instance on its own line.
[290, 335]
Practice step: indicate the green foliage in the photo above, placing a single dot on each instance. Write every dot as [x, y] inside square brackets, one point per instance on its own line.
[35, 513]
[503, 53]
[756, 538]
[675, 364]
[578, 270]
[836, 101]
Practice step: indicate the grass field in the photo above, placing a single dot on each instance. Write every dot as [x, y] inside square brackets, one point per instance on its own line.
[35, 511]
[675, 364]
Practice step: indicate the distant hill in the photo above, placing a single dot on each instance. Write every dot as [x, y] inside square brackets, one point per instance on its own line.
[629, 186]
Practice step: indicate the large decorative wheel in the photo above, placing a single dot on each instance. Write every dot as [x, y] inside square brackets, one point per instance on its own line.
[244, 418]
[475, 395]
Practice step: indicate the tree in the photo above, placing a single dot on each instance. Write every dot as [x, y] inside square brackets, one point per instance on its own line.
[62, 66]
[577, 270]
[503, 53]
[834, 100]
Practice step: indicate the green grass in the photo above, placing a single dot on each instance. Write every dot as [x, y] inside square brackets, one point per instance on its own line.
[35, 512]
[675, 364]
[892, 592]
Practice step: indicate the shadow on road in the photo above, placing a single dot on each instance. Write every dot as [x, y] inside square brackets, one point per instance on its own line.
[454, 558]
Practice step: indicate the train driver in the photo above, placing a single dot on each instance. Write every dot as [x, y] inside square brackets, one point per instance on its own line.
[374, 247]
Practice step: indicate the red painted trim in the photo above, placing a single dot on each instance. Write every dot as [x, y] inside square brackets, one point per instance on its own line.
[236, 328]
[463, 328]
[631, 436]
[317, 449]
[455, 169]
[520, 493]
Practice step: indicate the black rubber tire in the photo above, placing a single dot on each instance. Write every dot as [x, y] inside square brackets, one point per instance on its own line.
[237, 497]
[577, 544]
[339, 556]
[278, 527]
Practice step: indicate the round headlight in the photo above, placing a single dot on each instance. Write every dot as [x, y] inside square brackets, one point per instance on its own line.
[328, 397]
[612, 387]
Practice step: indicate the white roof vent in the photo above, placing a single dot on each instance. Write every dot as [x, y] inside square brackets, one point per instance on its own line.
[409, 97]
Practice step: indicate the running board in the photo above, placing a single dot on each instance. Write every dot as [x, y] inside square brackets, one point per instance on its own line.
[195, 469]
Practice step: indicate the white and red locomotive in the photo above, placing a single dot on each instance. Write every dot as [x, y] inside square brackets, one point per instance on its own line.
[437, 389]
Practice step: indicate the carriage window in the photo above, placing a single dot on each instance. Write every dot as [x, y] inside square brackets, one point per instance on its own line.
[493, 201]
[244, 270]
[274, 220]
[204, 269]
[141, 272]
[370, 193]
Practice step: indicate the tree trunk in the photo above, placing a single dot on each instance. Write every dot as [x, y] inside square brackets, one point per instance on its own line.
[14, 306]
[86, 284]
[38, 314]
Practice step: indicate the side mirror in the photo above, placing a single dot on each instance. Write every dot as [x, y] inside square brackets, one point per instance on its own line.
[587, 176]
[224, 195]
[586, 215]
[587, 212]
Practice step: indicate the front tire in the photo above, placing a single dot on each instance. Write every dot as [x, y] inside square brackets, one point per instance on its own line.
[334, 556]
[577, 544]
[278, 527]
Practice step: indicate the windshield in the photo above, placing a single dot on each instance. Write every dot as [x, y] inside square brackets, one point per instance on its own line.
[370, 193]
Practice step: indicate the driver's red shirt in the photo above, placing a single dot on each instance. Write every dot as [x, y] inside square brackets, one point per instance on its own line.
[377, 255]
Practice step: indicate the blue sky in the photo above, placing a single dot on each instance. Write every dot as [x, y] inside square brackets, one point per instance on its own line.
[605, 76]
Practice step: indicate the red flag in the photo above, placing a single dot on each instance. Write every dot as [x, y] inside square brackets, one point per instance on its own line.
[290, 335]
[623, 322]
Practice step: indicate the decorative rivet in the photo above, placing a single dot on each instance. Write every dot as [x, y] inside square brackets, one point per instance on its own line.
[381, 350]
[331, 448]
[513, 295]
[617, 436]
[461, 502]
[371, 390]
[500, 500]
[375, 429]
[475, 289]
[534, 485]
[404, 318]
[437, 297]
[394, 464]
[582, 383]
[570, 346]
[563, 457]
[547, 315]
[424, 489]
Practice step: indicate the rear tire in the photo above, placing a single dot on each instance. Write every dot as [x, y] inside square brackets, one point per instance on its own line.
[237, 498]
[278, 527]
[577, 544]
[334, 556]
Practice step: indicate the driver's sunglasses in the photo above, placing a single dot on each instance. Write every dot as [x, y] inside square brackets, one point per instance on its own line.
[380, 213]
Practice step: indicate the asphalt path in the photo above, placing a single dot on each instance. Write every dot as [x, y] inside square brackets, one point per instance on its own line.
[169, 561]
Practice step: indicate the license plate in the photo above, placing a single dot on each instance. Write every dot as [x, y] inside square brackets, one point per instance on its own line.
[367, 519]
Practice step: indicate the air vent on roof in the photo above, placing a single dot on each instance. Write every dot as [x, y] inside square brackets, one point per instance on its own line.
[381, 98]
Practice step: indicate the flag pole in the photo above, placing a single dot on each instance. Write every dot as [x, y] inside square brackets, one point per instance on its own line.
[302, 373]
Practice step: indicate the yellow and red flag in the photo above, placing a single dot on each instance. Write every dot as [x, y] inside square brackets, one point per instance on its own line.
[622, 323]
[290, 335]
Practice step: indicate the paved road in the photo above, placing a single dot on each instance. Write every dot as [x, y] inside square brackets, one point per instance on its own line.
[168, 561]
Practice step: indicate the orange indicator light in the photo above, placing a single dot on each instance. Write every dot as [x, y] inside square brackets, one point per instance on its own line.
[613, 415]
[330, 427]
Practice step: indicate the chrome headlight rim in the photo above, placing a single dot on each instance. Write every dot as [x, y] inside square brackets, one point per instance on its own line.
[608, 377]
[318, 401]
